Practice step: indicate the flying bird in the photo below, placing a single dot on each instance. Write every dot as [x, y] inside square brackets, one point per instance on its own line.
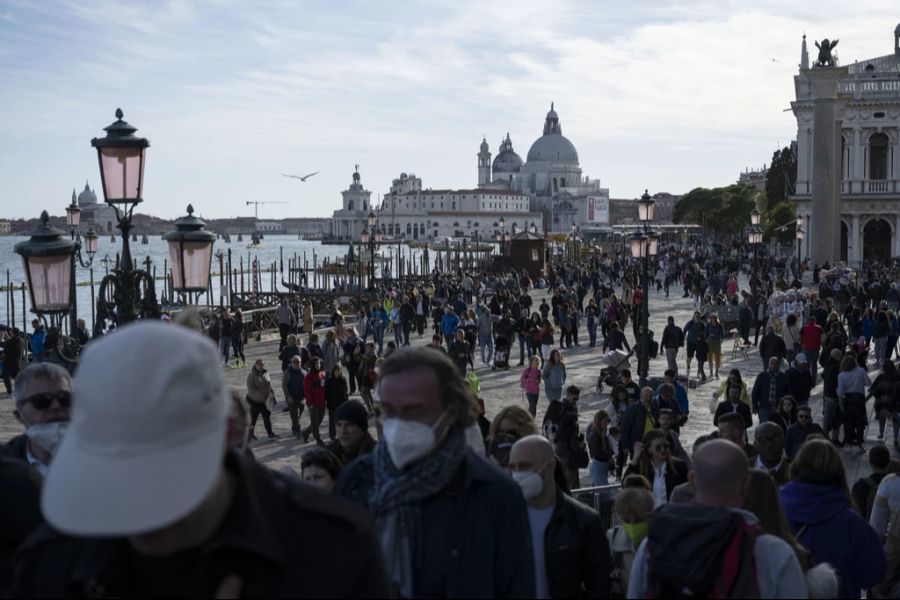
[304, 178]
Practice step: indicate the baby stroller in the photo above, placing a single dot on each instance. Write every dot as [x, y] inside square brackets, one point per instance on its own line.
[501, 353]
[611, 374]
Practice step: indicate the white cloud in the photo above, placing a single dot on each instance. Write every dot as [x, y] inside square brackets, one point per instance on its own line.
[663, 96]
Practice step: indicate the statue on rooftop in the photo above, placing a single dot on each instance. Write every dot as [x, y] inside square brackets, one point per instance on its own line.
[825, 57]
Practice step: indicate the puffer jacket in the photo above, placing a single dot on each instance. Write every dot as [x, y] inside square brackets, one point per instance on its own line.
[531, 380]
[821, 518]
[259, 386]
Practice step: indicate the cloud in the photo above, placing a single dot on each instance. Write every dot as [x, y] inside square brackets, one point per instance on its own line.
[668, 96]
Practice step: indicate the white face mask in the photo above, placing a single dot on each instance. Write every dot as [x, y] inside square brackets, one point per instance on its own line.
[408, 441]
[530, 482]
[47, 436]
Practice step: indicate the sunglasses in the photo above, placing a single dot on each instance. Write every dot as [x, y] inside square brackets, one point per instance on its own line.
[45, 401]
[661, 447]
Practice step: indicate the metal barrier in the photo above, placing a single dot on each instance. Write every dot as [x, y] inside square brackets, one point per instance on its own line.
[601, 498]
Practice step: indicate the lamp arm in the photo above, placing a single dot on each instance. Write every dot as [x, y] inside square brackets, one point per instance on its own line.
[149, 305]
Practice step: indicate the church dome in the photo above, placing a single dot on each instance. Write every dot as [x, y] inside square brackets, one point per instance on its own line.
[507, 161]
[552, 146]
[87, 196]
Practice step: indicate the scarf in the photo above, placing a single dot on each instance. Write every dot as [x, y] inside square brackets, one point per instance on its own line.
[395, 498]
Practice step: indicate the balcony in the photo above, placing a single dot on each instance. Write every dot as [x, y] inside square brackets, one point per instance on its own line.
[857, 188]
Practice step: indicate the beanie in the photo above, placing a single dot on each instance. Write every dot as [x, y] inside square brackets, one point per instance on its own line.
[354, 412]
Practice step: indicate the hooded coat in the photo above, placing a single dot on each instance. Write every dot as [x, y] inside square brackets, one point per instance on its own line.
[825, 524]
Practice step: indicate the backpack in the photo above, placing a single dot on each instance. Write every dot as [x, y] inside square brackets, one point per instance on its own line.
[699, 551]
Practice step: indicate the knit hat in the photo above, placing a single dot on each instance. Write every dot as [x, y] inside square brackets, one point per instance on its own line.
[354, 412]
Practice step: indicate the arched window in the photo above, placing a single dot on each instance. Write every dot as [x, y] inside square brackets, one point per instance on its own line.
[350, 205]
[555, 185]
[409, 229]
[878, 156]
[562, 182]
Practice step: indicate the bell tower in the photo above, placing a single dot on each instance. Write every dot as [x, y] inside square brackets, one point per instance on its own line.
[484, 164]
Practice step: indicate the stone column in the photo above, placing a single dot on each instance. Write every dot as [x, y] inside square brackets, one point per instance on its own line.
[826, 164]
[854, 241]
[896, 241]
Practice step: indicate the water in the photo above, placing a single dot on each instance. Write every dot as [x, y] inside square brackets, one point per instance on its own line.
[269, 252]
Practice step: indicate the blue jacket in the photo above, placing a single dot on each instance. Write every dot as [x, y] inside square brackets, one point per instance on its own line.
[835, 533]
[449, 323]
[478, 544]
[37, 342]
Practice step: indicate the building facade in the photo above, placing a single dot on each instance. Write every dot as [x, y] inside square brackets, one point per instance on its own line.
[869, 111]
[99, 216]
[348, 222]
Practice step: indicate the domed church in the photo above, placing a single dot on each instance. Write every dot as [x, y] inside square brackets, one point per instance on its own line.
[551, 177]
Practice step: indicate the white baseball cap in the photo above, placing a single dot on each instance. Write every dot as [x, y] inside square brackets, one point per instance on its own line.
[147, 437]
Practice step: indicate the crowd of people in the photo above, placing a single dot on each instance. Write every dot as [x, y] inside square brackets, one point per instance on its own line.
[418, 492]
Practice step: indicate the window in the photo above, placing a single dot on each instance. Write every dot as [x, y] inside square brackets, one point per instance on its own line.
[878, 156]
[350, 205]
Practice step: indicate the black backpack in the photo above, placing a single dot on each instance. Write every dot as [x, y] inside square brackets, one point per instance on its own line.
[700, 551]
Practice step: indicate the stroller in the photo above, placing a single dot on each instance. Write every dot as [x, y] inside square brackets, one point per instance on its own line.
[611, 374]
[501, 353]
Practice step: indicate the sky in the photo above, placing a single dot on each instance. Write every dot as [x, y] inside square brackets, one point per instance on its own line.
[664, 96]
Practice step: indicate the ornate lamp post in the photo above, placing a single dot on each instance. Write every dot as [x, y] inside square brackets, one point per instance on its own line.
[502, 237]
[190, 252]
[371, 237]
[121, 155]
[48, 258]
[73, 221]
[645, 246]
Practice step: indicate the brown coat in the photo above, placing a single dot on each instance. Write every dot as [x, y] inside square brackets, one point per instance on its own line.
[259, 387]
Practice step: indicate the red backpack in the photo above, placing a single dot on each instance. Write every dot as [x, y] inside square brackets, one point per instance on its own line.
[700, 551]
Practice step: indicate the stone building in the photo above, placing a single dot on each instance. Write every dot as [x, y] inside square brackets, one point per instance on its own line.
[869, 109]
[99, 216]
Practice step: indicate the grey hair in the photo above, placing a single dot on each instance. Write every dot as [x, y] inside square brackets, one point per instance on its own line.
[45, 371]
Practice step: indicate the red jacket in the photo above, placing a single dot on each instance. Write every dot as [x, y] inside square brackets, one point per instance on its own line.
[314, 388]
[811, 336]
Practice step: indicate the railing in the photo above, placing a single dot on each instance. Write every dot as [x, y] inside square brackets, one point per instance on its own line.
[868, 87]
[866, 186]
[601, 498]
[877, 186]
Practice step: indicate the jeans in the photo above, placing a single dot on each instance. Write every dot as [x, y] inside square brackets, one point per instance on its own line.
[332, 424]
[487, 348]
[592, 333]
[225, 347]
[532, 403]
[283, 330]
[406, 329]
[880, 347]
[672, 359]
[812, 355]
[765, 414]
[296, 411]
[378, 336]
[599, 472]
[524, 349]
[237, 347]
[316, 414]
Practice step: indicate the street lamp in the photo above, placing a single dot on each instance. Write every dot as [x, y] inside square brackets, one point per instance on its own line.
[121, 156]
[190, 252]
[502, 237]
[754, 238]
[754, 217]
[800, 235]
[371, 237]
[645, 246]
[48, 258]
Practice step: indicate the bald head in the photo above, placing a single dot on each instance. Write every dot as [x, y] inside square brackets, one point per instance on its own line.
[530, 452]
[721, 474]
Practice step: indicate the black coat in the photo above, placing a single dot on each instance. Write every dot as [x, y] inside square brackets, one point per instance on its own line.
[20, 512]
[633, 424]
[676, 473]
[725, 407]
[264, 540]
[759, 397]
[771, 345]
[800, 383]
[576, 551]
[480, 544]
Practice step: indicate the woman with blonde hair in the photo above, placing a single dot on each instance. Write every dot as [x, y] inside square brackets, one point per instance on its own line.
[512, 423]
[819, 509]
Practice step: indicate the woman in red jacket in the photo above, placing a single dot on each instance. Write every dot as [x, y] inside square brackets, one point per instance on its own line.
[314, 394]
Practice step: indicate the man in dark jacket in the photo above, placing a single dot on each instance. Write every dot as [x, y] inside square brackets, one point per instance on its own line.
[797, 432]
[733, 404]
[459, 352]
[570, 445]
[615, 339]
[571, 552]
[166, 508]
[635, 423]
[769, 387]
[20, 513]
[772, 345]
[800, 381]
[11, 341]
[292, 386]
[471, 531]
[407, 319]
[672, 340]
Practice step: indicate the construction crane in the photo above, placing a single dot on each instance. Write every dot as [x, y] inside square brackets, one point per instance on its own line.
[256, 204]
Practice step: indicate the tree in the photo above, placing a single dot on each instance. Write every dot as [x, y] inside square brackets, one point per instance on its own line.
[781, 214]
[725, 209]
[781, 178]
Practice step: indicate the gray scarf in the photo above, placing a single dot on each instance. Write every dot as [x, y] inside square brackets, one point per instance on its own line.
[395, 498]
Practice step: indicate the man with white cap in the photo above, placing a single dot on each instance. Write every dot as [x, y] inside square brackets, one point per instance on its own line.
[144, 498]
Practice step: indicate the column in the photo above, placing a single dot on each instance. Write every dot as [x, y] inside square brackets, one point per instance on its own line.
[896, 238]
[854, 242]
[857, 154]
[826, 163]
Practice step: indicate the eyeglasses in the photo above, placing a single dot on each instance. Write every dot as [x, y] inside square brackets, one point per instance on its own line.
[45, 401]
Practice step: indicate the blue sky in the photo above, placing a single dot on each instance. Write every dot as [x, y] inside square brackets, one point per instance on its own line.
[664, 96]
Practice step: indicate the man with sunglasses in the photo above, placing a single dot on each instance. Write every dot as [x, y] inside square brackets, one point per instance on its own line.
[43, 393]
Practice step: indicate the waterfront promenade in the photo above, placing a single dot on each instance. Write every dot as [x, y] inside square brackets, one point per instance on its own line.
[501, 388]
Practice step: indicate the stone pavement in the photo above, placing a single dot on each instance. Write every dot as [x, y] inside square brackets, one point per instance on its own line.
[501, 388]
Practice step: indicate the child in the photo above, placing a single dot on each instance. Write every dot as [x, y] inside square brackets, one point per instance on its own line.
[702, 353]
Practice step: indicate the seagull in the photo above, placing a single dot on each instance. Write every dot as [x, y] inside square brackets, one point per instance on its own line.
[304, 178]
